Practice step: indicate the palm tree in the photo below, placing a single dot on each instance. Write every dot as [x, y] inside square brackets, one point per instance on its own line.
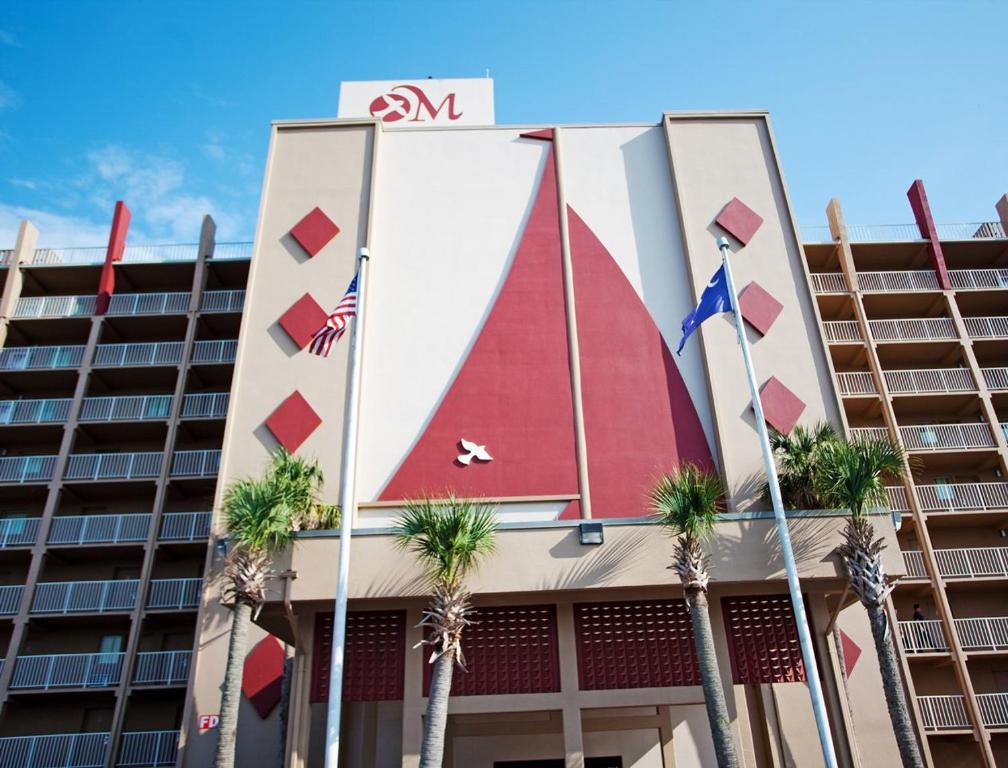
[850, 475]
[687, 503]
[449, 536]
[797, 454]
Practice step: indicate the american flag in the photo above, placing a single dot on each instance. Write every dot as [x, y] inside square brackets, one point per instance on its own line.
[337, 322]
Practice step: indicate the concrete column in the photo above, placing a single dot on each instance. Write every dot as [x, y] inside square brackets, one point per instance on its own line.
[1001, 206]
[569, 687]
[24, 248]
[414, 702]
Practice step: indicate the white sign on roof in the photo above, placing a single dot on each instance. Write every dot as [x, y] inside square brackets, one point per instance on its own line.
[418, 103]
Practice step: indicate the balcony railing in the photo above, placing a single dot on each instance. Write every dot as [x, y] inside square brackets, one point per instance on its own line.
[38, 358]
[913, 561]
[61, 750]
[42, 411]
[958, 497]
[148, 749]
[68, 670]
[856, 383]
[30, 307]
[198, 463]
[216, 351]
[989, 633]
[175, 594]
[6, 254]
[869, 433]
[987, 327]
[185, 526]
[898, 282]
[164, 303]
[139, 353]
[26, 469]
[913, 329]
[937, 437]
[205, 405]
[99, 529]
[981, 279]
[972, 562]
[10, 598]
[114, 466]
[126, 408]
[943, 713]
[897, 496]
[993, 709]
[996, 378]
[842, 331]
[907, 233]
[162, 667]
[922, 636]
[18, 531]
[929, 380]
[829, 282]
[85, 596]
[223, 301]
[136, 254]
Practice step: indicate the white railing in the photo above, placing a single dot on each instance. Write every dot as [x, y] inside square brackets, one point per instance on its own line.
[36, 358]
[43, 411]
[53, 257]
[995, 378]
[10, 598]
[199, 463]
[203, 405]
[966, 279]
[934, 437]
[217, 351]
[68, 670]
[943, 713]
[869, 433]
[915, 380]
[856, 383]
[1004, 428]
[955, 497]
[120, 304]
[185, 526]
[842, 330]
[6, 254]
[223, 301]
[148, 749]
[138, 353]
[988, 633]
[85, 596]
[976, 230]
[994, 327]
[913, 561]
[126, 408]
[114, 466]
[26, 469]
[174, 593]
[227, 251]
[135, 254]
[829, 282]
[99, 529]
[897, 498]
[173, 303]
[913, 329]
[898, 281]
[971, 562]
[993, 709]
[904, 233]
[60, 750]
[54, 306]
[922, 636]
[162, 667]
[18, 531]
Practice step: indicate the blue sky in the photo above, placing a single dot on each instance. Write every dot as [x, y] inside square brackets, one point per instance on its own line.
[168, 104]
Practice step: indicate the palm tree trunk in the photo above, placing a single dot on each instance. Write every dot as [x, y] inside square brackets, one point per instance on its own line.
[710, 678]
[231, 695]
[892, 684]
[432, 747]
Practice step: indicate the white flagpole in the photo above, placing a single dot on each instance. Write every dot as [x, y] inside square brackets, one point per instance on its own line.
[787, 554]
[348, 470]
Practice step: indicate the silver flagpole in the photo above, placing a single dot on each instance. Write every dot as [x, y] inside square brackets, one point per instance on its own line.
[348, 471]
[804, 636]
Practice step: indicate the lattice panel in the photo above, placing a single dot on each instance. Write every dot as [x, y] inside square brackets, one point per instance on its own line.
[509, 649]
[374, 656]
[763, 639]
[641, 644]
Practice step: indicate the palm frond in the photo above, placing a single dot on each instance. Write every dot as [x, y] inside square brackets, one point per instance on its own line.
[688, 502]
[797, 454]
[851, 474]
[257, 514]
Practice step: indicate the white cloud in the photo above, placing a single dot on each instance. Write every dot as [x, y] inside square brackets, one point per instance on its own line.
[56, 230]
[9, 98]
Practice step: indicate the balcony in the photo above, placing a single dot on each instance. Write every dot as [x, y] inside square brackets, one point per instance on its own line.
[962, 497]
[214, 352]
[897, 496]
[948, 713]
[167, 303]
[174, 594]
[18, 532]
[986, 327]
[26, 469]
[842, 332]
[10, 598]
[989, 633]
[828, 282]
[35, 307]
[85, 596]
[67, 670]
[922, 636]
[907, 233]
[197, 463]
[914, 329]
[205, 405]
[935, 437]
[42, 411]
[126, 408]
[144, 465]
[223, 301]
[146, 749]
[856, 383]
[960, 563]
[996, 378]
[136, 254]
[162, 668]
[978, 279]
[185, 526]
[149, 749]
[140, 353]
[914, 381]
[99, 529]
[898, 281]
[41, 358]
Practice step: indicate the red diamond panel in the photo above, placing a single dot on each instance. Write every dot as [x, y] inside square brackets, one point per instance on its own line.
[304, 317]
[374, 657]
[262, 675]
[781, 406]
[851, 652]
[763, 639]
[759, 308]
[642, 644]
[510, 649]
[739, 220]
[314, 231]
[293, 421]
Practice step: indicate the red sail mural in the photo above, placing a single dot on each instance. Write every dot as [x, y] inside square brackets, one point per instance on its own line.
[513, 392]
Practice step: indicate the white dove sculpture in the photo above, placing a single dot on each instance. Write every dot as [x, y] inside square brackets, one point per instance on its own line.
[478, 452]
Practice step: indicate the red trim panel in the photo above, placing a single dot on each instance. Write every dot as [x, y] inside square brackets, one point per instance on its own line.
[763, 639]
[374, 658]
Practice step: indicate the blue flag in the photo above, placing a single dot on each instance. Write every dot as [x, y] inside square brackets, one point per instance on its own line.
[713, 300]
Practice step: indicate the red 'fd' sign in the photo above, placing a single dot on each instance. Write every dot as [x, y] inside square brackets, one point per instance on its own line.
[206, 722]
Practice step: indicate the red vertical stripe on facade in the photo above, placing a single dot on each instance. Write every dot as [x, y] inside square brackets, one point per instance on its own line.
[928, 230]
[116, 247]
